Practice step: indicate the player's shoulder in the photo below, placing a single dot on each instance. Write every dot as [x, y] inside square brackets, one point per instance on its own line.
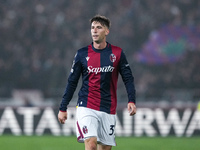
[82, 51]
[114, 47]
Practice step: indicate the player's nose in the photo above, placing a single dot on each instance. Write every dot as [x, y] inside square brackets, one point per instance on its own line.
[95, 30]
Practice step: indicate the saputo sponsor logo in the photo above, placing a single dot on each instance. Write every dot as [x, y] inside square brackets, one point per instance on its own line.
[100, 69]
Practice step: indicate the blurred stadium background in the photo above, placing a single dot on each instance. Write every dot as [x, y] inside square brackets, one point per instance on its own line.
[38, 41]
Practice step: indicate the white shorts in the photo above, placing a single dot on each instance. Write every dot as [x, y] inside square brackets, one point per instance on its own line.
[92, 123]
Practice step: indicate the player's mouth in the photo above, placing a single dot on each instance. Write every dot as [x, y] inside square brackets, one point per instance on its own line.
[95, 36]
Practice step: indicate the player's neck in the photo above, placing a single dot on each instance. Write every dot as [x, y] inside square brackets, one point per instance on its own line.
[101, 45]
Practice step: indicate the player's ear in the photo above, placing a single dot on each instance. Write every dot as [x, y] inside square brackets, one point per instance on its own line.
[107, 31]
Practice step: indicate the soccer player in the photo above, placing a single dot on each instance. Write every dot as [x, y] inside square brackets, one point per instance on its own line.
[99, 64]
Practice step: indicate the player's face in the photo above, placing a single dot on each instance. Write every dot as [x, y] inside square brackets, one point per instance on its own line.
[98, 32]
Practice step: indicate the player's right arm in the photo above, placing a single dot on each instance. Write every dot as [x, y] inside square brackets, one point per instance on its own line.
[62, 116]
[72, 83]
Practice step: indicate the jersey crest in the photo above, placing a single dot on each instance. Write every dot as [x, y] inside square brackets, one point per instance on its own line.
[85, 130]
[112, 58]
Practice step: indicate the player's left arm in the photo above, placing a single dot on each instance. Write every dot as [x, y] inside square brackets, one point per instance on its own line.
[128, 79]
[131, 109]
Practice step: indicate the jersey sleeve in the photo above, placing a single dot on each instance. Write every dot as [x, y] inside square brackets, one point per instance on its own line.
[72, 82]
[127, 78]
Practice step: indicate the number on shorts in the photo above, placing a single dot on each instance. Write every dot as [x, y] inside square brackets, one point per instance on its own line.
[112, 129]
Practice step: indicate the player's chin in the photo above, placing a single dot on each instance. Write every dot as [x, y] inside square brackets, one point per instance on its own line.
[96, 40]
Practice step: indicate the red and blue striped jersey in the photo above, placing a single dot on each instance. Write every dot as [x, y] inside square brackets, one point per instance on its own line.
[99, 70]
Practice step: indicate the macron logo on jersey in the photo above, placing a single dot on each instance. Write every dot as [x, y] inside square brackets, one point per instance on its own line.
[100, 69]
[87, 58]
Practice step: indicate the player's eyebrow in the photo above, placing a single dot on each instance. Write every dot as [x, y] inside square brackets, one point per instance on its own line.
[99, 27]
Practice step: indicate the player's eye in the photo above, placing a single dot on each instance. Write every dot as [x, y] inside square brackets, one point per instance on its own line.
[99, 27]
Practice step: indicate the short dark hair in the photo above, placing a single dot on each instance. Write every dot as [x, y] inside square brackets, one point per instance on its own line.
[102, 20]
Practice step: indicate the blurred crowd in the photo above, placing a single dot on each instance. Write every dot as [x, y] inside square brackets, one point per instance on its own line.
[38, 41]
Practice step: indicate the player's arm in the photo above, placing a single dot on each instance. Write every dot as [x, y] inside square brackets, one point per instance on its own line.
[131, 108]
[71, 86]
[62, 116]
[128, 80]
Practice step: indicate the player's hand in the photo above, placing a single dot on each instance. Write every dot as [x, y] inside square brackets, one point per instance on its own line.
[62, 117]
[131, 109]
